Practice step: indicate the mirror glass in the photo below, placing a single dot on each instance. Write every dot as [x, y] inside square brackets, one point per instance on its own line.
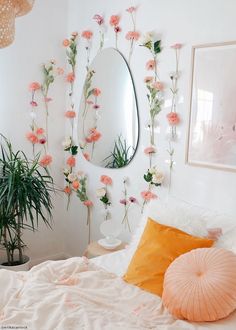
[108, 125]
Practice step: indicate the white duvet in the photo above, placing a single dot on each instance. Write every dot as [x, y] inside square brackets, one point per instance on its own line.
[77, 294]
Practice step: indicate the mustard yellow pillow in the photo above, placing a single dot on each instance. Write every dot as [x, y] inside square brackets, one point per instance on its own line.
[158, 247]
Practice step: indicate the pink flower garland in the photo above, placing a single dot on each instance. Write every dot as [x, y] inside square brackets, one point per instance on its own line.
[87, 35]
[100, 21]
[102, 194]
[133, 35]
[70, 147]
[155, 88]
[173, 117]
[127, 202]
[114, 22]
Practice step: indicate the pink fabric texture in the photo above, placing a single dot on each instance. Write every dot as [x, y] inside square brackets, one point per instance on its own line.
[201, 285]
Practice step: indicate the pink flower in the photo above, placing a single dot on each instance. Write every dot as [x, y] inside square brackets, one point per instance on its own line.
[105, 179]
[86, 156]
[42, 141]
[173, 118]
[149, 150]
[67, 190]
[34, 86]
[70, 114]
[60, 71]
[76, 184]
[74, 34]
[158, 86]
[32, 137]
[176, 46]
[70, 77]
[114, 20]
[132, 35]
[39, 131]
[96, 91]
[132, 199]
[71, 161]
[131, 10]
[94, 136]
[99, 19]
[117, 29]
[148, 195]
[47, 99]
[66, 42]
[150, 65]
[123, 201]
[87, 34]
[88, 203]
[33, 104]
[46, 160]
[148, 79]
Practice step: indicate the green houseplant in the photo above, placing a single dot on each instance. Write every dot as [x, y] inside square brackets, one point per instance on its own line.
[24, 199]
[120, 155]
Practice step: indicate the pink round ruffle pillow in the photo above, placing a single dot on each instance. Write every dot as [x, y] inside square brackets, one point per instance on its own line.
[201, 285]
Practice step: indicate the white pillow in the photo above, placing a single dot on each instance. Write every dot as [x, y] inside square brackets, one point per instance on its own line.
[191, 219]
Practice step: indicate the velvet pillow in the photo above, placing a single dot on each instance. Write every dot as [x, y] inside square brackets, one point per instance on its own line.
[158, 247]
[201, 285]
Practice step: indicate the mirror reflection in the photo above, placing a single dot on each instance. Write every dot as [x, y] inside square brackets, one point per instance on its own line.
[108, 114]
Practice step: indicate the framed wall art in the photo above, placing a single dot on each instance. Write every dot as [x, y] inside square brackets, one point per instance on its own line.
[212, 120]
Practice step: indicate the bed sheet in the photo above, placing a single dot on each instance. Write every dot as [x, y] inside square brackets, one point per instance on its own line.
[117, 263]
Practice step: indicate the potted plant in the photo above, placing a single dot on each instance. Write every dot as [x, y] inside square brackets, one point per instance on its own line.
[24, 200]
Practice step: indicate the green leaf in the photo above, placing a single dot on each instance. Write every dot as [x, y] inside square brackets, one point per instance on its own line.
[74, 150]
[148, 177]
[147, 45]
[156, 184]
[157, 47]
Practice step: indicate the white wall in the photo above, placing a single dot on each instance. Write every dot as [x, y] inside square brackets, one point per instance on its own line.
[38, 39]
[186, 21]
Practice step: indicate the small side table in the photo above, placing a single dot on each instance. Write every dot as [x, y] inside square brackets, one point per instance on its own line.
[96, 250]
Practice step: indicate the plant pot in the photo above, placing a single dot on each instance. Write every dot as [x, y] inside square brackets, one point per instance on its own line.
[17, 268]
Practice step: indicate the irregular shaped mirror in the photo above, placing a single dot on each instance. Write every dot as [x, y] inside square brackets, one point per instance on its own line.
[108, 125]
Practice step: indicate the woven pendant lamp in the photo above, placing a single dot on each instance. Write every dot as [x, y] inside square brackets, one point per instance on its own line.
[9, 10]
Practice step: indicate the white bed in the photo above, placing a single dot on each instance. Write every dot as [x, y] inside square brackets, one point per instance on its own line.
[78, 293]
[117, 263]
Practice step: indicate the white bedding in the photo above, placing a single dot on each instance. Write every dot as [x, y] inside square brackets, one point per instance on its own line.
[117, 263]
[76, 294]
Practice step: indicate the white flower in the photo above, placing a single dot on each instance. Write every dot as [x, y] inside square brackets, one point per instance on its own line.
[101, 192]
[147, 38]
[158, 177]
[72, 177]
[67, 143]
[152, 170]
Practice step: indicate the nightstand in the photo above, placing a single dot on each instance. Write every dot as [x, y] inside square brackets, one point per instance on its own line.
[96, 250]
